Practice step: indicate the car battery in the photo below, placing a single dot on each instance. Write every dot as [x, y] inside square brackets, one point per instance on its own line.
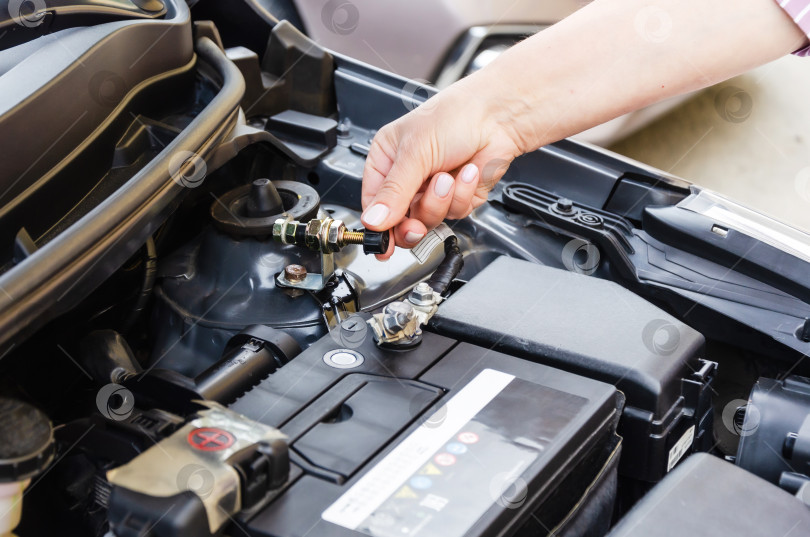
[444, 439]
[603, 331]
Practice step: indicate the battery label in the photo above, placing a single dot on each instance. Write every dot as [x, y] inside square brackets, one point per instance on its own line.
[469, 455]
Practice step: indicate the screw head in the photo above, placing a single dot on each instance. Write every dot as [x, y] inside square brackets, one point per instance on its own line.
[295, 273]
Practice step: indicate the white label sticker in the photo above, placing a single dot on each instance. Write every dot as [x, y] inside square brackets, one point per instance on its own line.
[430, 241]
[681, 447]
[384, 479]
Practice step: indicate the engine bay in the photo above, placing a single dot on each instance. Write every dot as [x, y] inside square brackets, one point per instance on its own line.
[586, 354]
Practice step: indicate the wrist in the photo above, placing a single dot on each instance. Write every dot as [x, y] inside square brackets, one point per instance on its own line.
[511, 108]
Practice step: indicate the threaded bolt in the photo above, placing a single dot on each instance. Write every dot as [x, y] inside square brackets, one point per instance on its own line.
[353, 237]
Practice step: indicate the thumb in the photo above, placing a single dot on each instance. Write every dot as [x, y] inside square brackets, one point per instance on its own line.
[393, 198]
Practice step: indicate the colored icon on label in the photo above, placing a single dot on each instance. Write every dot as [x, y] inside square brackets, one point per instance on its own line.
[421, 482]
[406, 492]
[210, 439]
[456, 448]
[467, 437]
[430, 469]
[445, 459]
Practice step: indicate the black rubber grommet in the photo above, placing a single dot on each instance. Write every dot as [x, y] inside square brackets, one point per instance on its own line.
[230, 213]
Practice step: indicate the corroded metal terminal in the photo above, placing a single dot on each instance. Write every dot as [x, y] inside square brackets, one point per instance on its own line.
[400, 323]
[328, 235]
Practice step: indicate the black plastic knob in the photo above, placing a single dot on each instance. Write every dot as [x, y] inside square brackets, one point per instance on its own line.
[376, 242]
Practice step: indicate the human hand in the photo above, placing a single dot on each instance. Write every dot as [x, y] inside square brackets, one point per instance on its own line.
[431, 164]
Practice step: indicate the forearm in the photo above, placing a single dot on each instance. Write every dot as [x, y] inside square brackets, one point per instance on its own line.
[614, 56]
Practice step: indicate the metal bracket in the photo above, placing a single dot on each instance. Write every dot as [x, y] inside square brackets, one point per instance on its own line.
[312, 282]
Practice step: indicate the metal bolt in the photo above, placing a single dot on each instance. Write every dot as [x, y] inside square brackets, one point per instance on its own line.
[295, 273]
[329, 235]
[353, 237]
[564, 206]
[422, 295]
[344, 128]
[397, 316]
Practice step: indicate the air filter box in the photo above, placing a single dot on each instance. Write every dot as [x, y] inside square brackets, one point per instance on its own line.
[600, 330]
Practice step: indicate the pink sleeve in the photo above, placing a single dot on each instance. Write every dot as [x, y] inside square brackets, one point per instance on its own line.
[799, 11]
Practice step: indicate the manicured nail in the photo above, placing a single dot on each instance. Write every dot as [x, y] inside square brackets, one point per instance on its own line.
[375, 215]
[412, 237]
[443, 185]
[469, 173]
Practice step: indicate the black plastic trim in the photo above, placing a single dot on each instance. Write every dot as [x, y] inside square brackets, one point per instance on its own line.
[56, 277]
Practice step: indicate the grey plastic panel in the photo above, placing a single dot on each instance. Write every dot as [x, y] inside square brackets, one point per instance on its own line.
[709, 497]
[95, 69]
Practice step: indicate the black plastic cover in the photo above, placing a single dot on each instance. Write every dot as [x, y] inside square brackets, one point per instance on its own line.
[594, 328]
[707, 497]
[136, 515]
[773, 436]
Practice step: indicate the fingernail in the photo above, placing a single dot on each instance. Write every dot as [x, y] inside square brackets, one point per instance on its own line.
[443, 185]
[375, 215]
[469, 173]
[412, 237]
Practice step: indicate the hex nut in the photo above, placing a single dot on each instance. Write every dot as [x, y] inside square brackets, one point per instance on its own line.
[422, 295]
[295, 273]
[333, 236]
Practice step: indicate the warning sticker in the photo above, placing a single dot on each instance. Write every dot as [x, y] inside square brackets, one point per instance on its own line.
[448, 472]
[389, 476]
[681, 447]
[430, 469]
[430, 241]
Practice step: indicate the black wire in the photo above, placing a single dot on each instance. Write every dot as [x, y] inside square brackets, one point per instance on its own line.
[149, 278]
[449, 268]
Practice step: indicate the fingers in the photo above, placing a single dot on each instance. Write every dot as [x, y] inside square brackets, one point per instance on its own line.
[466, 184]
[406, 234]
[394, 193]
[409, 232]
[388, 253]
[435, 202]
